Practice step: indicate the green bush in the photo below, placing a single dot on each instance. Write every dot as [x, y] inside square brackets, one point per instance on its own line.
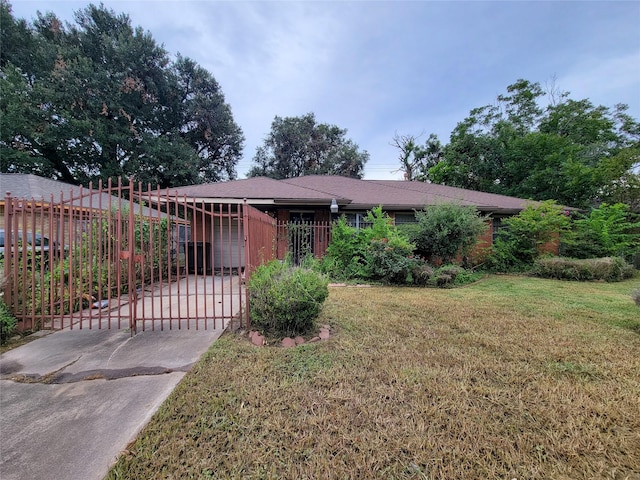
[445, 231]
[345, 257]
[608, 231]
[421, 273]
[286, 300]
[7, 322]
[524, 235]
[609, 269]
[377, 252]
[389, 261]
[505, 258]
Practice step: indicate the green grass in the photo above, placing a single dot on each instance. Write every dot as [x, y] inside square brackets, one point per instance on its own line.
[511, 377]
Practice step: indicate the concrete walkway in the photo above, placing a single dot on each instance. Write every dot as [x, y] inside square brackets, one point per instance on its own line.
[71, 401]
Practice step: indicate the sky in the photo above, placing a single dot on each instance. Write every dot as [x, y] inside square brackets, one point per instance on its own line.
[381, 68]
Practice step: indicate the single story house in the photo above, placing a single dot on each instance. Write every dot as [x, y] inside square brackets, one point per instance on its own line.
[309, 199]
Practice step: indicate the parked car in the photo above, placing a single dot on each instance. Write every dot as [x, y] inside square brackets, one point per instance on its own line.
[37, 243]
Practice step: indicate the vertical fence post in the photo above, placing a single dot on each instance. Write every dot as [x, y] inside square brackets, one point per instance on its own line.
[8, 260]
[130, 262]
[248, 267]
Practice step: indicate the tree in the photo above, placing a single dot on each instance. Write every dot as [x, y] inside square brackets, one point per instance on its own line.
[609, 230]
[570, 150]
[298, 146]
[98, 98]
[416, 159]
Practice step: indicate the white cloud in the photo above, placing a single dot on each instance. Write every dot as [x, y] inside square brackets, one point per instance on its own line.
[377, 67]
[605, 81]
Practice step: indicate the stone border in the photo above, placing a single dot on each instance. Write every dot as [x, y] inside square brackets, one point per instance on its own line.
[288, 342]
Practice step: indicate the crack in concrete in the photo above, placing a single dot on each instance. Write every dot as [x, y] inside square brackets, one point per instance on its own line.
[59, 377]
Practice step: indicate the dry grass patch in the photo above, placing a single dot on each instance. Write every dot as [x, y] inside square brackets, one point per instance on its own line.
[509, 378]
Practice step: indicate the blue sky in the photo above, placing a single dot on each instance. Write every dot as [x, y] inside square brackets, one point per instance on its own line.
[378, 68]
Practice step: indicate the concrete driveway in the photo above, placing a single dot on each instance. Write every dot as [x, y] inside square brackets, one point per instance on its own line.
[71, 401]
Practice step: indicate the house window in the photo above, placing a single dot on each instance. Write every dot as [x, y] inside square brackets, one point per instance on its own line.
[497, 228]
[403, 218]
[357, 220]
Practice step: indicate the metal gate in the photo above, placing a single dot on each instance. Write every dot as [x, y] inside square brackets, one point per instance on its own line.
[123, 257]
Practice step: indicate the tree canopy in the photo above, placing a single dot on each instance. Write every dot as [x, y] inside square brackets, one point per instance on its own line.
[572, 151]
[99, 98]
[298, 146]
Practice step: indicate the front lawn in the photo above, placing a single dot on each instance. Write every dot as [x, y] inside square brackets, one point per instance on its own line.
[511, 377]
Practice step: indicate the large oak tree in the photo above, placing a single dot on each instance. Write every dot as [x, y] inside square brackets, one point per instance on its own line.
[99, 98]
[298, 146]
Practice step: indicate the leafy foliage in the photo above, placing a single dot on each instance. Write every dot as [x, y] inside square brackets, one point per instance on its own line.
[345, 257]
[92, 271]
[572, 151]
[286, 300]
[416, 159]
[525, 235]
[609, 230]
[377, 252]
[99, 98]
[446, 230]
[382, 252]
[7, 321]
[609, 269]
[298, 146]
[389, 262]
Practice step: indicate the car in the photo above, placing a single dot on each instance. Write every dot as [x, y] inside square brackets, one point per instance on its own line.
[38, 243]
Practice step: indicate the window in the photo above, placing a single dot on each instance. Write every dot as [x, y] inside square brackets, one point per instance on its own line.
[357, 220]
[497, 228]
[403, 218]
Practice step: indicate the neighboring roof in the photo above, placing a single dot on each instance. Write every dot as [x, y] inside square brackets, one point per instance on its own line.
[33, 187]
[350, 193]
[256, 189]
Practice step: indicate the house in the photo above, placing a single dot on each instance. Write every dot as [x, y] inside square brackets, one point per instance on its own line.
[42, 193]
[309, 200]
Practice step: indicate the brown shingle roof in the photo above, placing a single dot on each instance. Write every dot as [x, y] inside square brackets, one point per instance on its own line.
[405, 195]
[351, 193]
[441, 193]
[257, 188]
[34, 187]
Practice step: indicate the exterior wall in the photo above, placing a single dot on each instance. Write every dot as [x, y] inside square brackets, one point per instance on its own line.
[479, 253]
[220, 237]
[552, 247]
[225, 238]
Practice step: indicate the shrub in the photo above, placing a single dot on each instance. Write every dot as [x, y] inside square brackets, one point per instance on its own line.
[345, 257]
[421, 274]
[445, 231]
[7, 322]
[286, 300]
[376, 252]
[610, 230]
[389, 261]
[524, 235]
[609, 269]
[449, 276]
